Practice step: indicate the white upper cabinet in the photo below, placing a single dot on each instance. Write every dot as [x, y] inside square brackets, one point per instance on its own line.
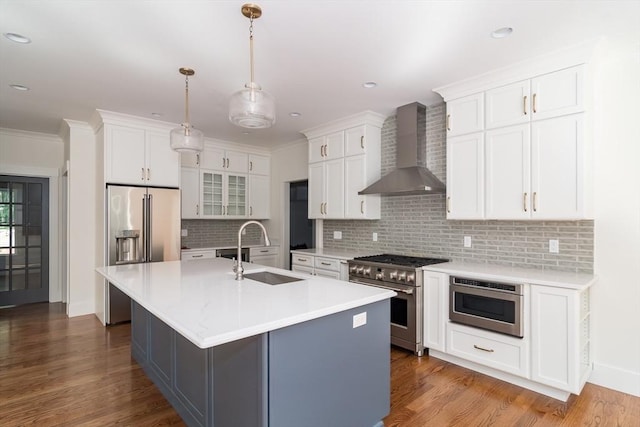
[558, 93]
[508, 105]
[224, 160]
[190, 193]
[344, 158]
[465, 115]
[137, 153]
[558, 177]
[508, 166]
[259, 165]
[259, 197]
[465, 176]
[535, 161]
[326, 147]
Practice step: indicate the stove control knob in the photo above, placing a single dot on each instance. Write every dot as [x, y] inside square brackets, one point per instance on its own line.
[367, 271]
[402, 277]
[393, 275]
[411, 278]
[359, 269]
[352, 269]
[379, 275]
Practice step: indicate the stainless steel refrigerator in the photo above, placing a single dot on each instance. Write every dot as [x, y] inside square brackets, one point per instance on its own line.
[143, 225]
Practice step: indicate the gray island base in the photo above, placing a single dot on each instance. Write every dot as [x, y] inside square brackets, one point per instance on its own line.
[322, 372]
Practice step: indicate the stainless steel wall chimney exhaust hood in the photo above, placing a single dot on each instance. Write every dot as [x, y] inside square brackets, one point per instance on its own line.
[411, 175]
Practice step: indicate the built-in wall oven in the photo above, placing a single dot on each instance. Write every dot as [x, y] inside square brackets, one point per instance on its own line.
[488, 305]
[402, 274]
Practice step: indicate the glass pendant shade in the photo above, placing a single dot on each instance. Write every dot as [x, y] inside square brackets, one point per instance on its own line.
[252, 107]
[186, 138]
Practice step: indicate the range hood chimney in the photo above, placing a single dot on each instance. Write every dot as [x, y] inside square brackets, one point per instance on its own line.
[411, 175]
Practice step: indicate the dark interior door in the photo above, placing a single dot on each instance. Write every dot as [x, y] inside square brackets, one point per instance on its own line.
[24, 240]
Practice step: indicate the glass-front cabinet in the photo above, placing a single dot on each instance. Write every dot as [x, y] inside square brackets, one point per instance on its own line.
[223, 195]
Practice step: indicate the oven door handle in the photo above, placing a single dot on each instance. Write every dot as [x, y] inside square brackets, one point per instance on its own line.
[405, 291]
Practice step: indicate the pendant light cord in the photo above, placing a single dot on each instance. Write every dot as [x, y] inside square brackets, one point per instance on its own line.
[251, 45]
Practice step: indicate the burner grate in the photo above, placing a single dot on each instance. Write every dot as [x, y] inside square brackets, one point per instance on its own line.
[401, 260]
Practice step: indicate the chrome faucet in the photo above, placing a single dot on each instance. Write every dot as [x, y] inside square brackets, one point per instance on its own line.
[237, 267]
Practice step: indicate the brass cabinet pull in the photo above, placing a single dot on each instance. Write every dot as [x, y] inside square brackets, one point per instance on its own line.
[250, 165]
[148, 174]
[362, 142]
[142, 174]
[488, 350]
[361, 206]
[198, 159]
[448, 121]
[250, 210]
[448, 204]
[303, 260]
[535, 201]
[524, 202]
[197, 256]
[325, 263]
[524, 105]
[227, 163]
[223, 162]
[197, 209]
[534, 103]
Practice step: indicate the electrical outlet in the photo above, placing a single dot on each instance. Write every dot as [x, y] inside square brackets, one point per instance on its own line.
[554, 246]
[184, 232]
[467, 241]
[337, 235]
[359, 320]
[374, 237]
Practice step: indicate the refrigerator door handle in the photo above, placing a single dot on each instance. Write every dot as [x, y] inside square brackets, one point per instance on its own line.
[144, 228]
[149, 222]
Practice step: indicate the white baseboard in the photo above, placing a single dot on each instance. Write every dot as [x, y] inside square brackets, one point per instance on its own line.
[81, 308]
[616, 379]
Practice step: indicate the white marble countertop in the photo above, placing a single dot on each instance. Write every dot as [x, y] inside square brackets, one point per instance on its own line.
[202, 300]
[559, 279]
[332, 253]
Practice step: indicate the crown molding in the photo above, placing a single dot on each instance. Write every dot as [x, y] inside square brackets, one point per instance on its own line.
[364, 118]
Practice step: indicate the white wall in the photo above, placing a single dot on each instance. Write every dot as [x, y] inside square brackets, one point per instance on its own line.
[288, 163]
[82, 219]
[38, 155]
[616, 296]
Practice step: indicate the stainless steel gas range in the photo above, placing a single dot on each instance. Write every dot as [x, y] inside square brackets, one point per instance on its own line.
[402, 274]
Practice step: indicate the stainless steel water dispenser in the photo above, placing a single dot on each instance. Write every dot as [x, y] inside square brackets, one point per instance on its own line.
[127, 242]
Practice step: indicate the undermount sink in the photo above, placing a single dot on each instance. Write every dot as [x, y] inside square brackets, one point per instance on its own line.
[270, 278]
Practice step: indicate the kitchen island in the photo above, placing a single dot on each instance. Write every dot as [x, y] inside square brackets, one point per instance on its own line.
[312, 352]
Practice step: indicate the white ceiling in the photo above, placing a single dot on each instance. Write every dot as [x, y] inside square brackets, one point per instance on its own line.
[313, 56]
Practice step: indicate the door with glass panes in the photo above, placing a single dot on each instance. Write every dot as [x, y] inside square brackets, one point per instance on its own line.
[24, 240]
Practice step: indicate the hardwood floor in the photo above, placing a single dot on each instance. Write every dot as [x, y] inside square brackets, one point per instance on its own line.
[74, 372]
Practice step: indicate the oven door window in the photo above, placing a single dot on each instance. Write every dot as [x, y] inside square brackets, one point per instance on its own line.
[400, 312]
[490, 308]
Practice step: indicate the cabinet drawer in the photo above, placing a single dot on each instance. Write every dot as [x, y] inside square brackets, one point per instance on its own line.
[303, 260]
[263, 251]
[487, 348]
[302, 269]
[189, 255]
[331, 264]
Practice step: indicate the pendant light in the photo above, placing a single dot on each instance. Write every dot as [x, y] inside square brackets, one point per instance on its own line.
[186, 138]
[252, 107]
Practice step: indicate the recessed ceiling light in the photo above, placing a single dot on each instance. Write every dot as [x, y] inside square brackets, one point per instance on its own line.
[156, 114]
[19, 87]
[295, 114]
[501, 33]
[369, 85]
[18, 38]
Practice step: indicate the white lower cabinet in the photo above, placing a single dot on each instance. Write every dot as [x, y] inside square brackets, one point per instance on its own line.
[334, 268]
[191, 254]
[498, 351]
[436, 309]
[265, 255]
[560, 337]
[554, 356]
